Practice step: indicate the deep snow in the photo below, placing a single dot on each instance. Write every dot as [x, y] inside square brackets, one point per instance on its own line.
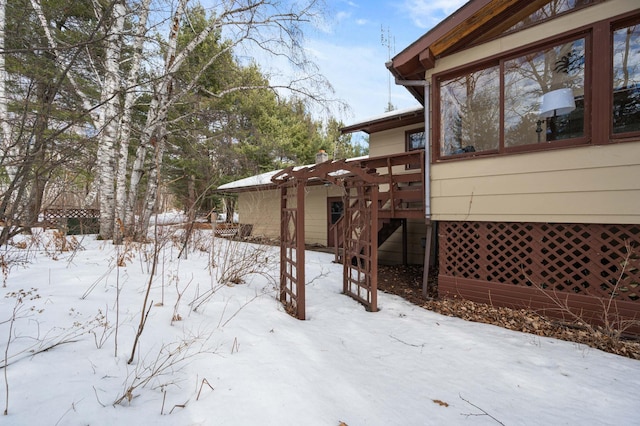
[244, 361]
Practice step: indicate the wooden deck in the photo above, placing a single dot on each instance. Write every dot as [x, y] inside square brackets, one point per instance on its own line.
[401, 189]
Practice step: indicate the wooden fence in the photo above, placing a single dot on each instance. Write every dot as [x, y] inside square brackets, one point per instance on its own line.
[74, 221]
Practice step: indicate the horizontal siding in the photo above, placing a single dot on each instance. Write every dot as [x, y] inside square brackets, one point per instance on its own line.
[576, 158]
[262, 210]
[389, 142]
[316, 220]
[584, 203]
[598, 184]
[618, 178]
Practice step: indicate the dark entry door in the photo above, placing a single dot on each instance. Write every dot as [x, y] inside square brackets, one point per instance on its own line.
[335, 210]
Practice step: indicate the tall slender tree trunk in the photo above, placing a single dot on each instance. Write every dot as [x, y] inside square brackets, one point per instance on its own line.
[108, 123]
[125, 125]
[153, 184]
[9, 151]
[154, 135]
[138, 167]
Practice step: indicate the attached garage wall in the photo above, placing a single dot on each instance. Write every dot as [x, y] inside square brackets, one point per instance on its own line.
[262, 210]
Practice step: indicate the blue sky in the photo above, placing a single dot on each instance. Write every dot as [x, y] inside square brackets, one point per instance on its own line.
[351, 54]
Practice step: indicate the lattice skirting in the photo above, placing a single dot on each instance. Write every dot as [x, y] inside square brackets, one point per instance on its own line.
[543, 266]
[52, 214]
[75, 221]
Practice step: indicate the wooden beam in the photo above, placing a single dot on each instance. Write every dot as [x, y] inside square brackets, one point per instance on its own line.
[373, 254]
[409, 54]
[300, 251]
[405, 239]
[427, 261]
[427, 59]
[469, 25]
[504, 24]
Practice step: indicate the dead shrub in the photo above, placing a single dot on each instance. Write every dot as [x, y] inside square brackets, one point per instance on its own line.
[610, 330]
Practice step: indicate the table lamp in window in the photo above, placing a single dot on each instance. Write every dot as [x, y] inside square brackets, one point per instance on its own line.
[553, 104]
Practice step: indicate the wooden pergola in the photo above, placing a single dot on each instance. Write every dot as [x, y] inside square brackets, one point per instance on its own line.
[367, 210]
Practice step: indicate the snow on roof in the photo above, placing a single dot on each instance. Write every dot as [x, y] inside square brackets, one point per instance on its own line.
[264, 179]
[388, 114]
[257, 180]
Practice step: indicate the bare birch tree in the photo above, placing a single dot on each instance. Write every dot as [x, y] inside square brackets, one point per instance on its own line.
[130, 97]
[5, 127]
[118, 68]
[255, 24]
[108, 121]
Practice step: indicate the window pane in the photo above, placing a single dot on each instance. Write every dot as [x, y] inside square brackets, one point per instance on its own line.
[626, 80]
[550, 10]
[470, 112]
[415, 140]
[530, 77]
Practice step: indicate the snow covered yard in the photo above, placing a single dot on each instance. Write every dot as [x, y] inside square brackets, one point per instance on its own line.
[68, 323]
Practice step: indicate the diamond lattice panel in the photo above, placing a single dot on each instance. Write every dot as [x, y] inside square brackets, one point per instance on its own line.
[596, 260]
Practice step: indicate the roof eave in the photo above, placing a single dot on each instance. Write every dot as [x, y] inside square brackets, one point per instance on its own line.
[378, 124]
[408, 59]
[454, 33]
[250, 188]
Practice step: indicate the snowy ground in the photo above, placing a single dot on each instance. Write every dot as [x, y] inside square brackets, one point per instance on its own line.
[239, 359]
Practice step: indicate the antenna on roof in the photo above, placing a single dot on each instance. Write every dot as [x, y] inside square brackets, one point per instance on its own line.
[386, 39]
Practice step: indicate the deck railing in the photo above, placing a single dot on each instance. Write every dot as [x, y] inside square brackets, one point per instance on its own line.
[400, 196]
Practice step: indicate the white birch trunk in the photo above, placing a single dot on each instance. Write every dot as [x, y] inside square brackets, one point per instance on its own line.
[8, 146]
[108, 124]
[137, 169]
[154, 133]
[151, 195]
[92, 194]
[125, 121]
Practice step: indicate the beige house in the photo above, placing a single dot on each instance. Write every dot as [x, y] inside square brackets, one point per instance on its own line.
[259, 205]
[532, 176]
[259, 197]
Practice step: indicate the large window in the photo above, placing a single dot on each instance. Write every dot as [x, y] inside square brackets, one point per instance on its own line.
[531, 79]
[470, 112]
[473, 119]
[552, 95]
[626, 79]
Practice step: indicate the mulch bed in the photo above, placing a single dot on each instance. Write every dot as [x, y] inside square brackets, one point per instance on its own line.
[406, 282]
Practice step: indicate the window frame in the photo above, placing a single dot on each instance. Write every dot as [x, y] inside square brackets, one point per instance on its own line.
[615, 25]
[598, 100]
[407, 144]
[407, 139]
